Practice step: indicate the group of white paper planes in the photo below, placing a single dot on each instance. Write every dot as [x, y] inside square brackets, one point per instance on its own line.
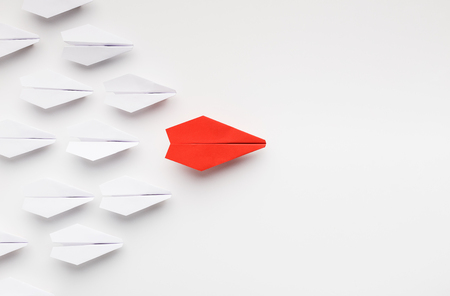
[130, 93]
[13, 287]
[96, 140]
[76, 244]
[86, 45]
[124, 196]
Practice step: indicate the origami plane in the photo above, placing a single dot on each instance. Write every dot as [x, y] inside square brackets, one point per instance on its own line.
[12, 39]
[13, 287]
[132, 93]
[49, 89]
[202, 143]
[50, 8]
[89, 45]
[48, 198]
[17, 138]
[10, 243]
[98, 140]
[126, 195]
[79, 244]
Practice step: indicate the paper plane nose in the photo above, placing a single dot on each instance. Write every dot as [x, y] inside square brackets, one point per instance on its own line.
[203, 143]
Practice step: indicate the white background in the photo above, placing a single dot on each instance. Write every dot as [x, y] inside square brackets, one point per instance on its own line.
[351, 196]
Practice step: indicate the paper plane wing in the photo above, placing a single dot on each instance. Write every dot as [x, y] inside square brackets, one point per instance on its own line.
[79, 244]
[50, 8]
[13, 39]
[48, 198]
[79, 234]
[13, 287]
[90, 45]
[81, 254]
[203, 143]
[10, 243]
[49, 89]
[91, 36]
[132, 93]
[17, 138]
[126, 195]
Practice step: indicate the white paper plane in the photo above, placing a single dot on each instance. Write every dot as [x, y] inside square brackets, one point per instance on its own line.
[79, 244]
[50, 8]
[17, 138]
[98, 140]
[126, 195]
[49, 89]
[12, 39]
[132, 93]
[10, 243]
[89, 45]
[13, 287]
[48, 198]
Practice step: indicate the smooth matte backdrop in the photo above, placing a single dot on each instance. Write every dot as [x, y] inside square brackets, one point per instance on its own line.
[350, 197]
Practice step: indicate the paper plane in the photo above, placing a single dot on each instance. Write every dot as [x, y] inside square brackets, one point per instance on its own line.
[13, 287]
[89, 45]
[10, 243]
[49, 89]
[132, 93]
[79, 244]
[202, 143]
[50, 8]
[98, 140]
[48, 198]
[12, 39]
[17, 138]
[126, 195]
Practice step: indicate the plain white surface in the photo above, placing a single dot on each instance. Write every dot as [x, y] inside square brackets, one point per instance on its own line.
[350, 196]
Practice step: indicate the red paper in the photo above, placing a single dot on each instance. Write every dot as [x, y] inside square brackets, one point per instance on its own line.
[202, 143]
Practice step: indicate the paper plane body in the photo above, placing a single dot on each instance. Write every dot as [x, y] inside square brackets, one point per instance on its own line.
[126, 195]
[13, 287]
[49, 89]
[98, 140]
[48, 198]
[17, 138]
[203, 143]
[79, 244]
[88, 45]
[10, 243]
[50, 8]
[13, 39]
[132, 93]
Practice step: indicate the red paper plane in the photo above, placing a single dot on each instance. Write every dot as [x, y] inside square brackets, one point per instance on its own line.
[202, 143]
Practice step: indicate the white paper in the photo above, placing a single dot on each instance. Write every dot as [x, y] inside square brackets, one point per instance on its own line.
[50, 8]
[98, 140]
[48, 197]
[49, 89]
[17, 138]
[10, 243]
[12, 39]
[126, 195]
[88, 45]
[132, 93]
[79, 244]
